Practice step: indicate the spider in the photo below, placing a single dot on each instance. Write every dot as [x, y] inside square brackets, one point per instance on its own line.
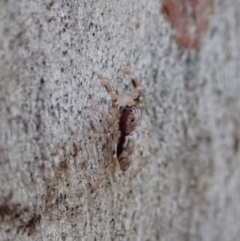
[127, 114]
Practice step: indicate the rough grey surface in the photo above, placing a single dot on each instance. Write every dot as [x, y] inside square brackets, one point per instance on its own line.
[189, 186]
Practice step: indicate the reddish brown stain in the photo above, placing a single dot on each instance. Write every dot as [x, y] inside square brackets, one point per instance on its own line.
[190, 20]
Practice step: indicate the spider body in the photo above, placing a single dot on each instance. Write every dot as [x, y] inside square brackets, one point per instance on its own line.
[129, 120]
[127, 115]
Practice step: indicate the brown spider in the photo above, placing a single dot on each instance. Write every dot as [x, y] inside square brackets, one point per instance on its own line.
[127, 113]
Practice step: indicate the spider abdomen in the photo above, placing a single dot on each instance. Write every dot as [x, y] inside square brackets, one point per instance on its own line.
[125, 148]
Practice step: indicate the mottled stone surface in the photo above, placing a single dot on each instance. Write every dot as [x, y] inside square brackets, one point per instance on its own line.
[189, 186]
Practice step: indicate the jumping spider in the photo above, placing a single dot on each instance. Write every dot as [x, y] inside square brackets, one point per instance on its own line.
[127, 114]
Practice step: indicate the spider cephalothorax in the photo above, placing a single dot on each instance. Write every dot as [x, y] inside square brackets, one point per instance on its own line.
[127, 114]
[130, 118]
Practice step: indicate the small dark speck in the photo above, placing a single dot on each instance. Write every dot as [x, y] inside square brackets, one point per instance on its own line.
[44, 62]
[89, 97]
[42, 81]
[112, 220]
[93, 34]
[62, 69]
[109, 38]
[209, 139]
[90, 25]
[137, 25]
[79, 112]
[102, 14]
[236, 144]
[50, 19]
[17, 215]
[77, 206]
[64, 52]
[64, 30]
[25, 209]
[49, 5]
[165, 164]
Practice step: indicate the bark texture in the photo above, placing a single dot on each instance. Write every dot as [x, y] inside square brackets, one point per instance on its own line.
[189, 185]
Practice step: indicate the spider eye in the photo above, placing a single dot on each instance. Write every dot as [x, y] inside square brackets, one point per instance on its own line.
[133, 119]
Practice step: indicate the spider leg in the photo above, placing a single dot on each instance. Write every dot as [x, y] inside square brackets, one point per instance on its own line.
[110, 165]
[138, 88]
[143, 131]
[110, 119]
[108, 168]
[111, 93]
